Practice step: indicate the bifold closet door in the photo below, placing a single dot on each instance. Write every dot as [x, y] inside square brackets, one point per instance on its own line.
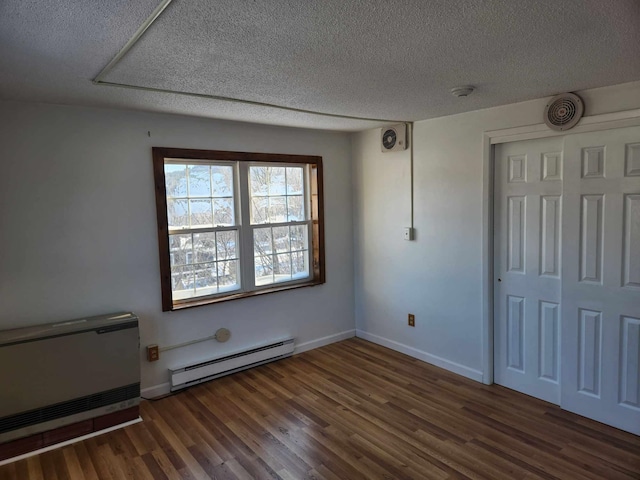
[601, 277]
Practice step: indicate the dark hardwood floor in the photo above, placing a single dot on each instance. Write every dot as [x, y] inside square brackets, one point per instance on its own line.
[351, 410]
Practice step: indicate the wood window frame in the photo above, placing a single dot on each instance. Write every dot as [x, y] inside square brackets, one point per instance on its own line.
[317, 248]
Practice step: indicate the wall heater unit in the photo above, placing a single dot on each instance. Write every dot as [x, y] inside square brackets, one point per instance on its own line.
[189, 375]
[66, 373]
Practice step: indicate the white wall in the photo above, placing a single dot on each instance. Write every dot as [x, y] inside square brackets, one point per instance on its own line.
[438, 276]
[78, 228]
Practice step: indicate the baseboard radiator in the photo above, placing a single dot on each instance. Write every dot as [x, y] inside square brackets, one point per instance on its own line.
[188, 375]
[73, 376]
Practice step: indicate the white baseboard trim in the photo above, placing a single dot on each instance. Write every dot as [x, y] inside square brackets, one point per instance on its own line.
[69, 442]
[422, 355]
[165, 388]
[156, 390]
[321, 342]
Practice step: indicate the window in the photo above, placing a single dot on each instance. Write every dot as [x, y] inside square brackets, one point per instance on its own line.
[232, 225]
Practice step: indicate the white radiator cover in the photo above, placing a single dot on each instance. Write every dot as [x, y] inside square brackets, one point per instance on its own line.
[188, 375]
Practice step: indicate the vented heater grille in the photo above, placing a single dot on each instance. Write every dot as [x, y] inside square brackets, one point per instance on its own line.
[78, 405]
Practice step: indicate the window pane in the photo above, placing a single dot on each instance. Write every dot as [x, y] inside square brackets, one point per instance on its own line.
[262, 248]
[177, 213]
[223, 212]
[264, 269]
[262, 241]
[199, 181]
[206, 281]
[259, 210]
[282, 267]
[175, 180]
[276, 180]
[281, 239]
[299, 237]
[300, 264]
[204, 245]
[222, 181]
[295, 208]
[179, 247]
[226, 243]
[294, 181]
[182, 282]
[228, 275]
[201, 214]
[258, 181]
[277, 209]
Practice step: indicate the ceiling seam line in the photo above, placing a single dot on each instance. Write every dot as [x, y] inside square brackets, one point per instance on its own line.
[133, 40]
[248, 102]
[147, 24]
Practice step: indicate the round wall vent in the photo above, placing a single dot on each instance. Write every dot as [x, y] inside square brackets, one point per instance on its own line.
[389, 139]
[563, 111]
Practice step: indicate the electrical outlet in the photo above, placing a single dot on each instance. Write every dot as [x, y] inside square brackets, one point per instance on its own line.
[412, 320]
[153, 353]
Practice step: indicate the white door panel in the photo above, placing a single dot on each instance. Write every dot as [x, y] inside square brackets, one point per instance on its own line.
[601, 281]
[527, 237]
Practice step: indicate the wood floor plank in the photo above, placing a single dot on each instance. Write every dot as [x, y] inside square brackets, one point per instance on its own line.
[165, 464]
[114, 467]
[49, 466]
[8, 472]
[154, 468]
[348, 411]
[34, 468]
[191, 466]
[99, 462]
[72, 463]
[121, 444]
[164, 445]
[84, 460]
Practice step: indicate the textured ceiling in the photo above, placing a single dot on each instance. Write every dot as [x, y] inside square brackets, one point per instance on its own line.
[394, 59]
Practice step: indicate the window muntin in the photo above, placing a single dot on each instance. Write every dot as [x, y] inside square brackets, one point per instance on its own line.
[236, 224]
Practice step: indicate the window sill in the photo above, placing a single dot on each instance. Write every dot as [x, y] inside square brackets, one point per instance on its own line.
[196, 302]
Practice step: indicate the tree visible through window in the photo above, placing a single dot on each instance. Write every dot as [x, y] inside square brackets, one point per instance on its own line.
[236, 224]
